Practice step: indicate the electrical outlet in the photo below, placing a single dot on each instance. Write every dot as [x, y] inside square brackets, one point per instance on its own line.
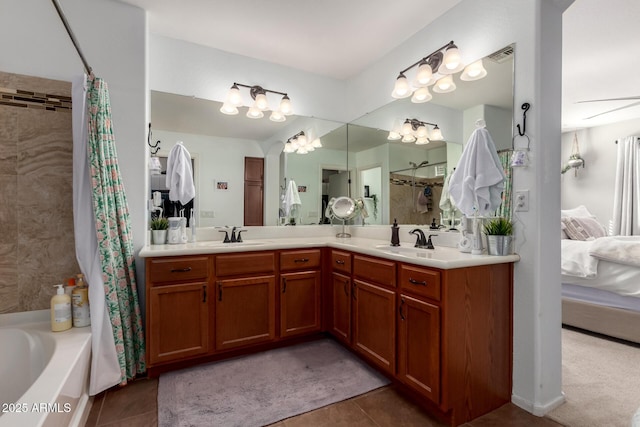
[522, 201]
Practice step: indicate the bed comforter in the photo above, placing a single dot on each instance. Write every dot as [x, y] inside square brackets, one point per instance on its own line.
[610, 263]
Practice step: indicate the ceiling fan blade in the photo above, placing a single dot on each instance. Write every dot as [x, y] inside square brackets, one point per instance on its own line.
[615, 109]
[626, 98]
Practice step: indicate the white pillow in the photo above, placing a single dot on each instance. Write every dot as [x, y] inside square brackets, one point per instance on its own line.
[583, 228]
[579, 212]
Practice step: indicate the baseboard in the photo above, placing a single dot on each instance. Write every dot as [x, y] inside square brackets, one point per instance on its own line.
[537, 410]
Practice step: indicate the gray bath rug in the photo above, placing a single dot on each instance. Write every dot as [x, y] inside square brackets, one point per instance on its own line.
[263, 388]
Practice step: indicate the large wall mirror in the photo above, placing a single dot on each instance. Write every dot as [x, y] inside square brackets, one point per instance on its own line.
[388, 175]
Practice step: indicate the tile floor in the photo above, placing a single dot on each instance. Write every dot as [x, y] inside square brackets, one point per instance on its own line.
[136, 406]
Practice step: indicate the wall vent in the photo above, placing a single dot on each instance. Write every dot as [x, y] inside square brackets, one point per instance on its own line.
[502, 55]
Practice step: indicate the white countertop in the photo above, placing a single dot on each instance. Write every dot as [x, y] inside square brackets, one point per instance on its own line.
[441, 257]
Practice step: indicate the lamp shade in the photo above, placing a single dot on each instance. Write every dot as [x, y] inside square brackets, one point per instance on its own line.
[261, 102]
[408, 138]
[234, 97]
[401, 88]
[422, 141]
[393, 136]
[424, 74]
[451, 62]
[445, 85]
[436, 134]
[277, 116]
[473, 71]
[229, 109]
[422, 132]
[406, 129]
[288, 148]
[421, 95]
[254, 112]
[285, 106]
[316, 143]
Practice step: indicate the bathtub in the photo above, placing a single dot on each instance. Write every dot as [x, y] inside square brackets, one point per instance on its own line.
[44, 375]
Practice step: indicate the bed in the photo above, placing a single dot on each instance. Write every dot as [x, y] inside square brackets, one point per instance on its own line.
[601, 281]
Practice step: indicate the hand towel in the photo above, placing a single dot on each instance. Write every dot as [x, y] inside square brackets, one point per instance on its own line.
[291, 198]
[180, 175]
[445, 198]
[477, 183]
[422, 204]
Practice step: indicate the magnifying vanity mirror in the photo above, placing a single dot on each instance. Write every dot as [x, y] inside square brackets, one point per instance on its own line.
[392, 179]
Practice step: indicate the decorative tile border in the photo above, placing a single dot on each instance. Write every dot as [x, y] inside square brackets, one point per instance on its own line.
[26, 99]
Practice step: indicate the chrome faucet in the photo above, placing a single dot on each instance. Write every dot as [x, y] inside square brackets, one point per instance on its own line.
[421, 240]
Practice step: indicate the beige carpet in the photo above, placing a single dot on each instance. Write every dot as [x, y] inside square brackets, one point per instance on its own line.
[601, 381]
[263, 388]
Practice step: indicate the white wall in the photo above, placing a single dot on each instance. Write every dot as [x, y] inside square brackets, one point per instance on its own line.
[113, 38]
[593, 185]
[216, 159]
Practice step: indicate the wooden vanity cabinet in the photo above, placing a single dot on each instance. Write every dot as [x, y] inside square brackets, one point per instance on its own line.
[178, 293]
[245, 303]
[300, 292]
[373, 299]
[340, 303]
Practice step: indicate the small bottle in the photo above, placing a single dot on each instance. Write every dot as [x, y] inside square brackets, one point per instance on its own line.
[395, 233]
[60, 310]
[71, 284]
[80, 297]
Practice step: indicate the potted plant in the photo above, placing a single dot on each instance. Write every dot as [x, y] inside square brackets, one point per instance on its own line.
[159, 228]
[499, 232]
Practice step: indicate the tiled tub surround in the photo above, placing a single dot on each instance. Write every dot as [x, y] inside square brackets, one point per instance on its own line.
[37, 247]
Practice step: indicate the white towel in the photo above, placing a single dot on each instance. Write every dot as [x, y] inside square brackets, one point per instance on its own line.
[477, 183]
[180, 175]
[291, 198]
[445, 198]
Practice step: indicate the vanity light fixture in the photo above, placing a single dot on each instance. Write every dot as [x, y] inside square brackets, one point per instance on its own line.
[260, 103]
[302, 143]
[437, 69]
[414, 130]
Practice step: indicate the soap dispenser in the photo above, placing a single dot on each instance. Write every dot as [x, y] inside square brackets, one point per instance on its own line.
[395, 233]
[60, 310]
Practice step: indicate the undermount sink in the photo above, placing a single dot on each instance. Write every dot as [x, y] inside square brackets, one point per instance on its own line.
[407, 251]
[218, 244]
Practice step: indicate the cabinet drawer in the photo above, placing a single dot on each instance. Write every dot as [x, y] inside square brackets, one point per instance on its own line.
[420, 281]
[303, 259]
[341, 261]
[375, 270]
[178, 269]
[236, 264]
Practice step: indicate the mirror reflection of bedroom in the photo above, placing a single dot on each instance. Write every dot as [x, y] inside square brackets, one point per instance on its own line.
[600, 239]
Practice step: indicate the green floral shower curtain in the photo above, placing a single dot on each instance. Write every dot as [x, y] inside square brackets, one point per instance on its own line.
[505, 207]
[113, 230]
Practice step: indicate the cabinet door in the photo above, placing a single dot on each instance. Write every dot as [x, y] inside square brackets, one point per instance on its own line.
[341, 312]
[179, 322]
[245, 311]
[374, 326]
[299, 303]
[419, 346]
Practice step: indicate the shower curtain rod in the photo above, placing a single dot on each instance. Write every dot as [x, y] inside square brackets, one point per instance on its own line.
[71, 36]
[425, 166]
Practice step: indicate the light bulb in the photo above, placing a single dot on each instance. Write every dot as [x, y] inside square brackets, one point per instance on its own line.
[316, 143]
[285, 106]
[424, 74]
[422, 132]
[254, 112]
[261, 102]
[474, 71]
[234, 97]
[421, 95]
[277, 116]
[436, 134]
[445, 85]
[408, 138]
[228, 109]
[401, 88]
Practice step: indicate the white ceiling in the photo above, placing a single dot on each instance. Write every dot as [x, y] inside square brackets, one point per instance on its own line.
[336, 38]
